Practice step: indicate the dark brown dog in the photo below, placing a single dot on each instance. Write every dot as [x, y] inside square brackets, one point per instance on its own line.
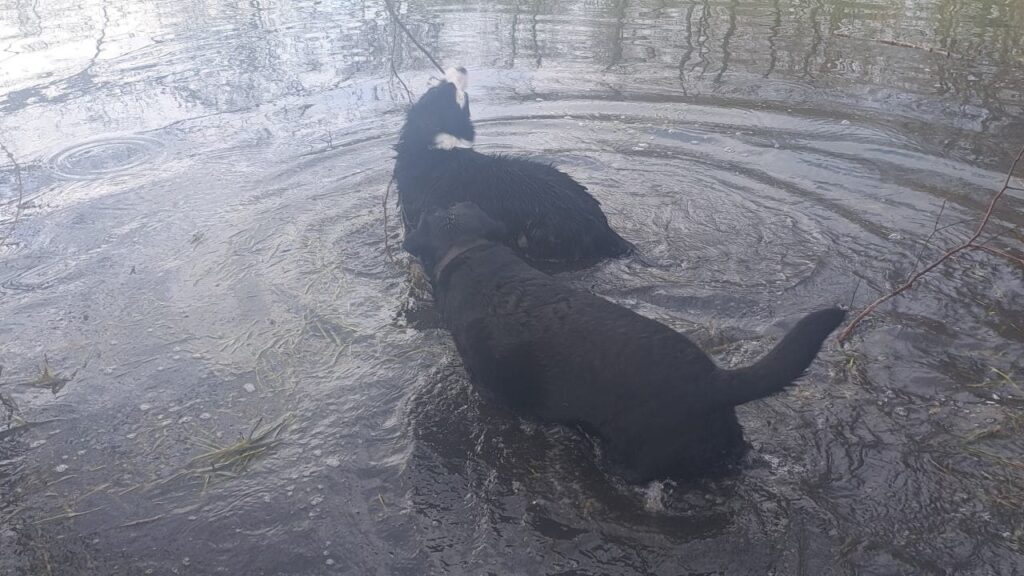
[548, 351]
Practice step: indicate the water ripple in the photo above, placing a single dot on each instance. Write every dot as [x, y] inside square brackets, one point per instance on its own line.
[105, 157]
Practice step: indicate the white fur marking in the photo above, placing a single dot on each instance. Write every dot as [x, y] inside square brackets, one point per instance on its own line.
[444, 141]
[460, 78]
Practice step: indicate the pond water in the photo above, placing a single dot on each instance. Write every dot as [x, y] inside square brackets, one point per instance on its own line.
[206, 369]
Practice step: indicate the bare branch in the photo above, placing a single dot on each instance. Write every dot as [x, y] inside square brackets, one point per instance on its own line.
[998, 252]
[969, 243]
[398, 20]
[21, 193]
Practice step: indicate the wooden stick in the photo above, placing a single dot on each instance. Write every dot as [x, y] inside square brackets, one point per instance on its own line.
[398, 20]
[21, 193]
[387, 245]
[998, 252]
[969, 243]
[394, 69]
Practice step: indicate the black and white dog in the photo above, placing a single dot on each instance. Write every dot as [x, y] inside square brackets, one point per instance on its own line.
[551, 352]
[550, 219]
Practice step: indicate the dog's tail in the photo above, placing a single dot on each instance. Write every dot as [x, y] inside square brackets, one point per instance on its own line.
[779, 368]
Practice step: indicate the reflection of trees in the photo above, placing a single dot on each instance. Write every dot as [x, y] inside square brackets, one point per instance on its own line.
[897, 44]
[29, 23]
[225, 55]
[730, 31]
[534, 14]
[814, 49]
[616, 38]
[774, 29]
[241, 53]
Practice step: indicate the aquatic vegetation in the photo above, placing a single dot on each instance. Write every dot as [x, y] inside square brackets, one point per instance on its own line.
[48, 379]
[231, 460]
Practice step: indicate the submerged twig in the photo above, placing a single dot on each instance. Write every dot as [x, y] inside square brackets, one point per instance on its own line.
[142, 521]
[398, 21]
[898, 44]
[998, 252]
[10, 516]
[970, 243]
[68, 515]
[21, 192]
[394, 71]
[99, 488]
[394, 68]
[387, 243]
[928, 240]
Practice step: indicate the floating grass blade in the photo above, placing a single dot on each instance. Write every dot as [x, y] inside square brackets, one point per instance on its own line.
[233, 459]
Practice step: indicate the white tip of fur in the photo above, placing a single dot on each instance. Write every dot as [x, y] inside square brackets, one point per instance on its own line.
[445, 141]
[460, 78]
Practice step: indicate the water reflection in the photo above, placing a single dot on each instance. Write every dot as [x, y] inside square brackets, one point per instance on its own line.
[267, 52]
[191, 198]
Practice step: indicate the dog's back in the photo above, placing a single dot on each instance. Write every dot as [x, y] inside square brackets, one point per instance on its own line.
[550, 217]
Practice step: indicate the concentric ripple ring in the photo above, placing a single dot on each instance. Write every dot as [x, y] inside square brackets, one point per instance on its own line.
[104, 157]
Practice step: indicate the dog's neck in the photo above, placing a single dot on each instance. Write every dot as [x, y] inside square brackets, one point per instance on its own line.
[456, 251]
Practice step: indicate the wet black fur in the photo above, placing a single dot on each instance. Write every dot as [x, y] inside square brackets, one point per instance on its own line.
[548, 351]
[550, 219]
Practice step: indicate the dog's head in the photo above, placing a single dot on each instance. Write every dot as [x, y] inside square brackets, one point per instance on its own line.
[440, 118]
[444, 231]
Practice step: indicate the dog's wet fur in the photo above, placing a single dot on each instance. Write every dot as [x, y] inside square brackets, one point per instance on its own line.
[548, 351]
[549, 218]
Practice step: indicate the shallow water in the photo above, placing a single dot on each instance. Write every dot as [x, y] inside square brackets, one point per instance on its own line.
[193, 244]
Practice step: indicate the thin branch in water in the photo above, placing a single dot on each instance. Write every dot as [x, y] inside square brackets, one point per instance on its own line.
[398, 20]
[996, 235]
[394, 69]
[853, 298]
[969, 243]
[927, 241]
[954, 224]
[998, 252]
[21, 193]
[142, 521]
[897, 44]
[387, 195]
[995, 199]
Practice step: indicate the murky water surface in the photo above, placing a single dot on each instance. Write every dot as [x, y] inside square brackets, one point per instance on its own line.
[205, 367]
